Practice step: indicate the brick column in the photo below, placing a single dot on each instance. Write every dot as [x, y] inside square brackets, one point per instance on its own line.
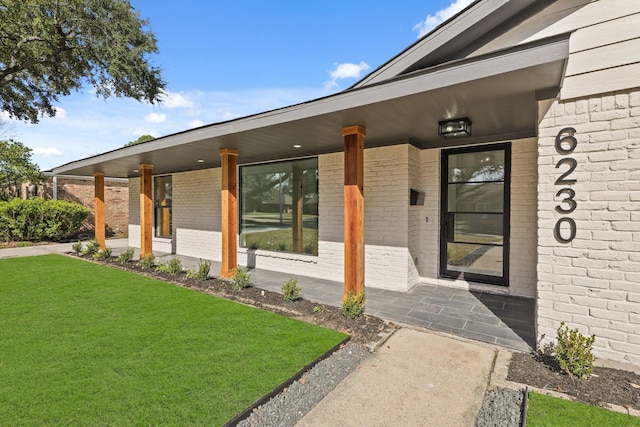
[99, 224]
[146, 210]
[353, 210]
[229, 212]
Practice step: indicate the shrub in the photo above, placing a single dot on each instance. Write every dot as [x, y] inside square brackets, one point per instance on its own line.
[148, 261]
[574, 351]
[173, 266]
[291, 290]
[38, 219]
[202, 273]
[104, 254]
[319, 308]
[77, 248]
[92, 248]
[353, 306]
[240, 279]
[126, 256]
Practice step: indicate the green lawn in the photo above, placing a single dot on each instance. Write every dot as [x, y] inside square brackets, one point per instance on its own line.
[552, 412]
[85, 344]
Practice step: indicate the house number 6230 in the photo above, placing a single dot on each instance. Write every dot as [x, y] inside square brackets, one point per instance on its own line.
[565, 144]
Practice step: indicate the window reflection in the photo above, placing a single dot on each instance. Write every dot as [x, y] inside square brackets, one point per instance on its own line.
[279, 206]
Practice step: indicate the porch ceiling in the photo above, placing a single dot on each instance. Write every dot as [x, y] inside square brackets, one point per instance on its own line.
[498, 92]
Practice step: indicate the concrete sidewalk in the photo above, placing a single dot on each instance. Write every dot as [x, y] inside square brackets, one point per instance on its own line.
[414, 379]
[57, 248]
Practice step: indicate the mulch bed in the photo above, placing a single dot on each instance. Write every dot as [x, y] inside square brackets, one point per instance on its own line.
[605, 385]
[365, 329]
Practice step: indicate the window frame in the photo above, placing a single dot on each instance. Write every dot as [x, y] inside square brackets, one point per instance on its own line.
[444, 211]
[242, 202]
[156, 207]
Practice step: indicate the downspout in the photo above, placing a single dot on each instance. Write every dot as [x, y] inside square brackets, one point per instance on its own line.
[55, 187]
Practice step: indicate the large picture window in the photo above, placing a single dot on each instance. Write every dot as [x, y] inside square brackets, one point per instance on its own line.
[162, 206]
[279, 206]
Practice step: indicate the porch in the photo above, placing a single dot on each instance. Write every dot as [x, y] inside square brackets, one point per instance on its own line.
[495, 319]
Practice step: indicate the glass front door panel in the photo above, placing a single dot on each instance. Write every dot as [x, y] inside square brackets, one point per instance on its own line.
[476, 259]
[475, 210]
[476, 197]
[485, 229]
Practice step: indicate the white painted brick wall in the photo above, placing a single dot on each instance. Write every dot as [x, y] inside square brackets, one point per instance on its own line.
[134, 212]
[597, 273]
[522, 257]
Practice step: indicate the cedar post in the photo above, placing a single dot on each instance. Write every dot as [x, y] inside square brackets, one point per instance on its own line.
[353, 210]
[229, 160]
[99, 225]
[146, 210]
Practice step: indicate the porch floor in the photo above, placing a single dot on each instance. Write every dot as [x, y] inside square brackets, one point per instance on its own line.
[495, 319]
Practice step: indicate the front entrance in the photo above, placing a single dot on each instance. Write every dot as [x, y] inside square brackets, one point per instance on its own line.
[474, 240]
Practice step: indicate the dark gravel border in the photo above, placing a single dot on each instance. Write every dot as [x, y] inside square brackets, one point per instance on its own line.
[293, 403]
[502, 407]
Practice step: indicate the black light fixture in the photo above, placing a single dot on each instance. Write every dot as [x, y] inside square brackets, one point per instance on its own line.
[455, 128]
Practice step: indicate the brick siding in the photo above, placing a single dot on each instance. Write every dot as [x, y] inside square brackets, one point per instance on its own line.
[116, 201]
[593, 282]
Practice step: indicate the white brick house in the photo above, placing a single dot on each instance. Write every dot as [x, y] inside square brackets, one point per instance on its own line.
[540, 200]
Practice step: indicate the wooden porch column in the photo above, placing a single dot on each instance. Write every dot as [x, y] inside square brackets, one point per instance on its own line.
[297, 207]
[146, 210]
[229, 159]
[353, 210]
[99, 225]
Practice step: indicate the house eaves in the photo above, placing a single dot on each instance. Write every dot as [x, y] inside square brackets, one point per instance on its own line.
[498, 89]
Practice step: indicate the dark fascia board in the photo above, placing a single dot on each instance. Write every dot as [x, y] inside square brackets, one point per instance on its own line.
[442, 76]
[450, 38]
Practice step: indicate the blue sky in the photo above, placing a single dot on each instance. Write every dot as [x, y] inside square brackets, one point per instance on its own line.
[224, 60]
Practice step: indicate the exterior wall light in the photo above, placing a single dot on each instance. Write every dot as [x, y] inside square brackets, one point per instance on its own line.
[455, 128]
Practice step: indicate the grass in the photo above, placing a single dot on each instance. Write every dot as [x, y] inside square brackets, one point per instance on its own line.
[553, 412]
[85, 344]
[282, 240]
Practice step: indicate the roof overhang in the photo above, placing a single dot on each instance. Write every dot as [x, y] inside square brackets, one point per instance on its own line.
[497, 91]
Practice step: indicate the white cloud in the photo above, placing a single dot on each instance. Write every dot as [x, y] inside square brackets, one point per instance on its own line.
[345, 70]
[432, 21]
[61, 113]
[47, 151]
[195, 123]
[156, 118]
[176, 100]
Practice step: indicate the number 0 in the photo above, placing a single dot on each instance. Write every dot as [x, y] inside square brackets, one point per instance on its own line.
[572, 230]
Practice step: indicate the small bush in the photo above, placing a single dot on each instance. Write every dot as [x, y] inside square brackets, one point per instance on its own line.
[91, 248]
[126, 256]
[202, 273]
[104, 254]
[291, 290]
[173, 266]
[574, 351]
[319, 308]
[353, 306]
[148, 261]
[77, 248]
[240, 279]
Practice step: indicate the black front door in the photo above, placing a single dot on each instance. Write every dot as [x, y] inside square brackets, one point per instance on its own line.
[475, 213]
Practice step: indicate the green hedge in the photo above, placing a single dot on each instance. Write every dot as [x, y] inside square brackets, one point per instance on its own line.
[38, 219]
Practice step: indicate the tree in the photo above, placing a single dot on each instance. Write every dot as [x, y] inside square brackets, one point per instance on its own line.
[50, 48]
[16, 168]
[142, 138]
